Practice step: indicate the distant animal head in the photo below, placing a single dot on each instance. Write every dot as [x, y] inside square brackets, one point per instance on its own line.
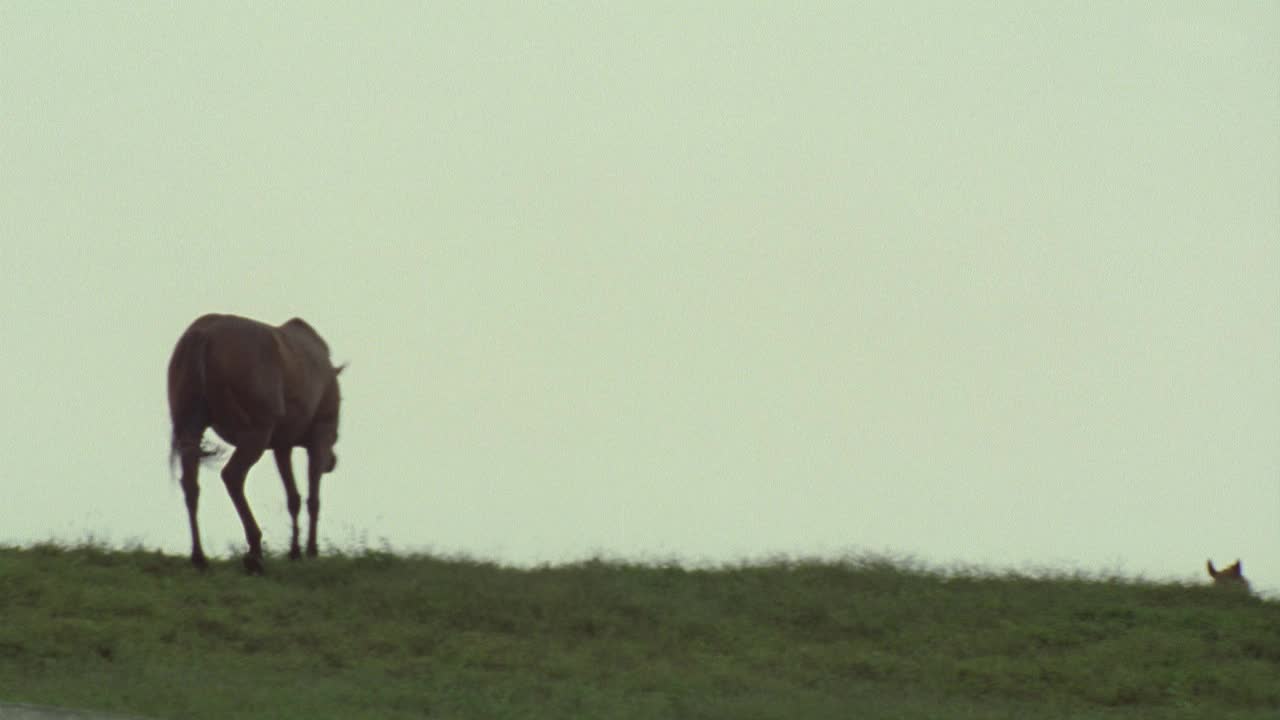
[1230, 577]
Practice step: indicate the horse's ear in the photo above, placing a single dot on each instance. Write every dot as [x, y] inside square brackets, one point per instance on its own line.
[1237, 569]
[1212, 572]
[338, 370]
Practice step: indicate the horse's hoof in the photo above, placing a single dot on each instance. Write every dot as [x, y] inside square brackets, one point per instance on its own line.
[295, 553]
[199, 562]
[253, 564]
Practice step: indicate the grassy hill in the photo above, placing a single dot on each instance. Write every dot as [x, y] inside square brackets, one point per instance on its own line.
[383, 636]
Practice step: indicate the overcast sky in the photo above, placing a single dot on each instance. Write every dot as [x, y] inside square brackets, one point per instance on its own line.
[990, 283]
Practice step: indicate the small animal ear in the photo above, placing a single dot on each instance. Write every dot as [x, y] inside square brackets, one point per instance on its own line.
[1237, 569]
[1212, 572]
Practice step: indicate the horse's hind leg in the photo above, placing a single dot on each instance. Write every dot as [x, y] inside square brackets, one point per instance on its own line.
[191, 489]
[284, 463]
[233, 476]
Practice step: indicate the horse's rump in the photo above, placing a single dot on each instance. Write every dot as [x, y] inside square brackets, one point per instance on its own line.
[188, 408]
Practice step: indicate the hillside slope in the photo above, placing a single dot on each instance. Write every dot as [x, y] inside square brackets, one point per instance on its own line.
[386, 636]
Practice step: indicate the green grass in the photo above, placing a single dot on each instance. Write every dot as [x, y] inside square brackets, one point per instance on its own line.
[383, 636]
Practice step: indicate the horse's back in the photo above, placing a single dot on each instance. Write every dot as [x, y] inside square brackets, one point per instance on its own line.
[259, 375]
[221, 325]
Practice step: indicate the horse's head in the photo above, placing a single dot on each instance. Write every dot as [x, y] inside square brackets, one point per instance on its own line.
[320, 450]
[325, 429]
[1230, 577]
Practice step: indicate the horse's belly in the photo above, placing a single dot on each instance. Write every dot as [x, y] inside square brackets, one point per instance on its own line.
[229, 435]
[290, 433]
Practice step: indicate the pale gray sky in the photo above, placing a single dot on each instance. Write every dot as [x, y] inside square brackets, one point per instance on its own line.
[992, 283]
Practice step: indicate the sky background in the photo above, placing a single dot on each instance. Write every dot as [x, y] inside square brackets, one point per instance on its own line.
[984, 283]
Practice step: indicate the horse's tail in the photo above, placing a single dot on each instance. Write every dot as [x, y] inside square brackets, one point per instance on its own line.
[188, 403]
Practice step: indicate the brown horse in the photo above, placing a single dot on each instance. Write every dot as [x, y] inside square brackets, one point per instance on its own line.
[1230, 577]
[258, 387]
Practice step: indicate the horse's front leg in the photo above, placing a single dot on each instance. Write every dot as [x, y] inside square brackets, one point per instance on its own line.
[319, 461]
[284, 463]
